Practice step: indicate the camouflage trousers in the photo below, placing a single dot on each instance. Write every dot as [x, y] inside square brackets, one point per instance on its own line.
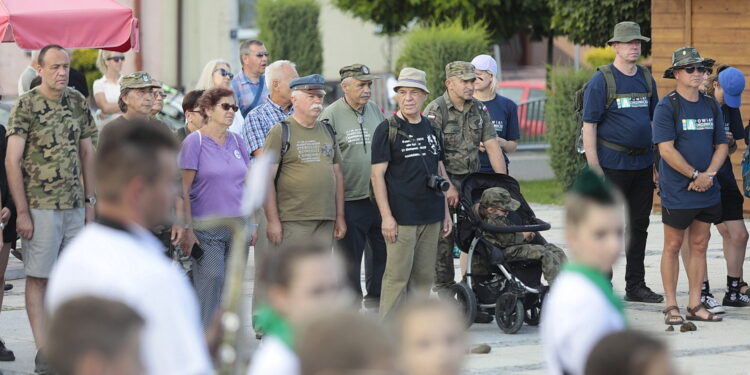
[551, 256]
[445, 272]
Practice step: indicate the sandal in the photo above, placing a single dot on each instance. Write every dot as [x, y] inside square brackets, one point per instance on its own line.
[693, 316]
[670, 319]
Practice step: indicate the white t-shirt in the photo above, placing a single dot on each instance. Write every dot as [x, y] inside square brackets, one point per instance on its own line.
[575, 316]
[130, 267]
[111, 94]
[273, 357]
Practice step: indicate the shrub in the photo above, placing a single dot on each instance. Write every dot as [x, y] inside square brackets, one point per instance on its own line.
[289, 29]
[600, 56]
[84, 61]
[562, 128]
[431, 48]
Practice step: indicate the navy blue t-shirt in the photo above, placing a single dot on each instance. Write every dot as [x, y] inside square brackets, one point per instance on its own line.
[627, 122]
[694, 139]
[504, 115]
[732, 124]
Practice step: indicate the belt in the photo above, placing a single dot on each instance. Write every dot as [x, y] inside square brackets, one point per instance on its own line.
[629, 151]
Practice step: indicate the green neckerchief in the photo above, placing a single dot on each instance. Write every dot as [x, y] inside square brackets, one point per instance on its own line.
[598, 279]
[271, 323]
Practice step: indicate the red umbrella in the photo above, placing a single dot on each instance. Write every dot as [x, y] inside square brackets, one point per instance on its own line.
[105, 24]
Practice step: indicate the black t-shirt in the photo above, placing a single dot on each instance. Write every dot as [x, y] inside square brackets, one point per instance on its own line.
[412, 202]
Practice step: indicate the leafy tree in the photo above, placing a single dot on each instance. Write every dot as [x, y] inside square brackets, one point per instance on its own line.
[591, 22]
[502, 17]
[289, 29]
[84, 60]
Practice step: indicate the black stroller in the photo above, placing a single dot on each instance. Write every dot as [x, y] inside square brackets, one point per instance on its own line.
[513, 291]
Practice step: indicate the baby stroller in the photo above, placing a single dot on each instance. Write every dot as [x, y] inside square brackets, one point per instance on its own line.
[513, 291]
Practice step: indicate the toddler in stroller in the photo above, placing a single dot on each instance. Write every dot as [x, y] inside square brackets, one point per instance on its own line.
[495, 208]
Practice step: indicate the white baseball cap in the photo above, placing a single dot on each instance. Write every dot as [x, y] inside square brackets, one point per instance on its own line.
[485, 62]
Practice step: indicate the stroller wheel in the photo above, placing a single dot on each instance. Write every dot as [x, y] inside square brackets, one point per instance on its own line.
[509, 313]
[533, 315]
[467, 301]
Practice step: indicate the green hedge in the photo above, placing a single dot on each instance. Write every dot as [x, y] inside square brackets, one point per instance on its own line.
[431, 48]
[562, 129]
[84, 60]
[289, 29]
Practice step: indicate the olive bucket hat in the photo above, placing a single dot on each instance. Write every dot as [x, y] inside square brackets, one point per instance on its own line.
[627, 31]
[682, 57]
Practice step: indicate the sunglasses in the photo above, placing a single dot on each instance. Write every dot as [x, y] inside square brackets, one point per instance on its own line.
[116, 58]
[261, 54]
[227, 106]
[691, 69]
[225, 73]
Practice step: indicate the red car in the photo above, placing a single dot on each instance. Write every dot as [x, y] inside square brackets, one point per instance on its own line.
[529, 94]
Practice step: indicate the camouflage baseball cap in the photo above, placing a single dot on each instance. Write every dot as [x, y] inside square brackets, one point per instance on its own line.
[460, 69]
[627, 31]
[357, 71]
[137, 80]
[498, 197]
[685, 56]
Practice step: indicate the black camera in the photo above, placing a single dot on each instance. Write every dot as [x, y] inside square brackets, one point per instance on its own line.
[437, 183]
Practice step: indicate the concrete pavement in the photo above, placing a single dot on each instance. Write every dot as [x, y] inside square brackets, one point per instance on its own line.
[715, 348]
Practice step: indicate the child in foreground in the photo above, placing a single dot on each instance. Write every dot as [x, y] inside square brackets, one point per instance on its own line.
[581, 307]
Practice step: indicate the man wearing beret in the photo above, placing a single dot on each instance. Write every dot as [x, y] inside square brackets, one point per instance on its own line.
[306, 199]
[355, 117]
[465, 124]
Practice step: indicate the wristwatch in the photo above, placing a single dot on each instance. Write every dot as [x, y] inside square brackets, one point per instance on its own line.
[91, 200]
[695, 175]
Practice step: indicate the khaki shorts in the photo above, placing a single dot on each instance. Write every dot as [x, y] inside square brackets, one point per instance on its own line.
[53, 230]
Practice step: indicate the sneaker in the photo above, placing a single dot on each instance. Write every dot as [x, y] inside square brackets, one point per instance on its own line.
[712, 305]
[736, 299]
[643, 294]
[6, 355]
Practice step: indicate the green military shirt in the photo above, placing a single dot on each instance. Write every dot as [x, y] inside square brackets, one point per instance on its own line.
[462, 133]
[306, 188]
[354, 141]
[50, 164]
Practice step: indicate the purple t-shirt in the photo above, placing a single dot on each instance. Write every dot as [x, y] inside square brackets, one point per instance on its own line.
[220, 177]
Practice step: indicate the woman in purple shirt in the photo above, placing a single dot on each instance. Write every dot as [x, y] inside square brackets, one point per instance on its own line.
[214, 164]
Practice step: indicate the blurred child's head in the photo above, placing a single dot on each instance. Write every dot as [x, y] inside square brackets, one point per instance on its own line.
[301, 280]
[95, 336]
[594, 221]
[432, 338]
[497, 201]
[629, 353]
[344, 342]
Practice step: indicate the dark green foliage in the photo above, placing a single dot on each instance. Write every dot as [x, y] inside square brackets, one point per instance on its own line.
[562, 129]
[289, 29]
[503, 18]
[591, 22]
[84, 61]
[431, 48]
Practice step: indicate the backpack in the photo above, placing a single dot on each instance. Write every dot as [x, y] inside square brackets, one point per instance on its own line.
[286, 135]
[612, 95]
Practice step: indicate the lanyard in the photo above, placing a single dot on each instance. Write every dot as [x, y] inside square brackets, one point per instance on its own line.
[360, 121]
[600, 282]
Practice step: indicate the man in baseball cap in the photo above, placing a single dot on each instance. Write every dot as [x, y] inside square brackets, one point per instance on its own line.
[355, 118]
[503, 111]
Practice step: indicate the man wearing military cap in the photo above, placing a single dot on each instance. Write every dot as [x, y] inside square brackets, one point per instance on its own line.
[306, 199]
[688, 129]
[49, 163]
[465, 124]
[355, 118]
[618, 105]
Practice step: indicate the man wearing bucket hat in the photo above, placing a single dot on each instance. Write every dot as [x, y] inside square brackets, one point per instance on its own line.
[688, 129]
[408, 183]
[465, 124]
[355, 118]
[618, 105]
[306, 201]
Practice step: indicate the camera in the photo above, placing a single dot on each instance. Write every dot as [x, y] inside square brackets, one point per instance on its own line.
[437, 183]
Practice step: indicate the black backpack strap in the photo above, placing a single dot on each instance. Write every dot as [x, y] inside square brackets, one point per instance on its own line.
[332, 132]
[393, 129]
[675, 100]
[609, 79]
[649, 79]
[285, 136]
[443, 109]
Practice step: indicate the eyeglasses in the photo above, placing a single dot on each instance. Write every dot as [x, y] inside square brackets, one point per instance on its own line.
[227, 106]
[116, 58]
[262, 54]
[160, 93]
[224, 73]
[691, 69]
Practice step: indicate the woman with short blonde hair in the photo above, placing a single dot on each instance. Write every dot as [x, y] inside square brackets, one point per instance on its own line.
[107, 89]
[218, 74]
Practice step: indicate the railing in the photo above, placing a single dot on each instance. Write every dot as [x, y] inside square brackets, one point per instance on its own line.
[532, 126]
